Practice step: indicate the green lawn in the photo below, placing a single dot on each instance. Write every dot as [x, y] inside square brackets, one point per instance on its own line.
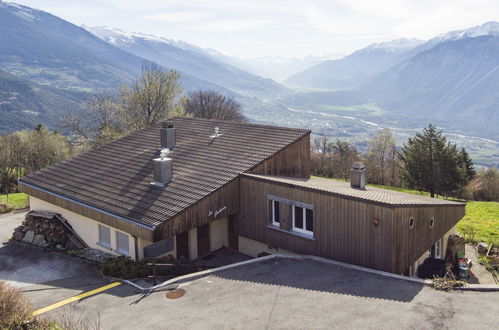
[18, 201]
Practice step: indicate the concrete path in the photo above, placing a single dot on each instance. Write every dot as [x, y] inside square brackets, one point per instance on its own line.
[479, 275]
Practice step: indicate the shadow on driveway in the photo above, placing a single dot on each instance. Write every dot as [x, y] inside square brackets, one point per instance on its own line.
[316, 276]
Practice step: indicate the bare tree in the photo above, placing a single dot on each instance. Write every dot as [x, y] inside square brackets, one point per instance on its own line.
[380, 148]
[212, 105]
[345, 155]
[155, 96]
[97, 123]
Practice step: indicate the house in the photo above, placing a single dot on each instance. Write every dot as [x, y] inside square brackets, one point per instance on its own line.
[193, 185]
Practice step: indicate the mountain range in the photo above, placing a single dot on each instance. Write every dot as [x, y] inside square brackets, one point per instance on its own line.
[48, 66]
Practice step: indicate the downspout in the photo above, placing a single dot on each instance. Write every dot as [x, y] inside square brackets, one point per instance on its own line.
[136, 246]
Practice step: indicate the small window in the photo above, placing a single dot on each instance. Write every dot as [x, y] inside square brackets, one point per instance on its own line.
[104, 237]
[411, 222]
[122, 243]
[438, 249]
[303, 220]
[275, 217]
[431, 222]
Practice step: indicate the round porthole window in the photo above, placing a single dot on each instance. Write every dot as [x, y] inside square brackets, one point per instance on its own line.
[431, 222]
[411, 222]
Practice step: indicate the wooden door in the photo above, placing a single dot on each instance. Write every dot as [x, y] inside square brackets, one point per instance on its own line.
[183, 245]
[203, 240]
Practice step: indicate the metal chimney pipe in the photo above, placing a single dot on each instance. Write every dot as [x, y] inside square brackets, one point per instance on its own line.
[168, 135]
[358, 176]
[163, 171]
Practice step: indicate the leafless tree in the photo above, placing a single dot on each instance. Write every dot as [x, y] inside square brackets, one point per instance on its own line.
[380, 148]
[212, 105]
[345, 155]
[155, 96]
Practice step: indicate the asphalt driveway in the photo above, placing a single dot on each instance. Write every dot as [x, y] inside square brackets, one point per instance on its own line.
[275, 294]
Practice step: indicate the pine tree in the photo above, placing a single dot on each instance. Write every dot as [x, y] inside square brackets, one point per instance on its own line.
[430, 163]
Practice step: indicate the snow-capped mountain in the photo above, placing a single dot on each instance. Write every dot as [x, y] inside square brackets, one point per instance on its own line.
[487, 29]
[400, 45]
[353, 70]
[188, 58]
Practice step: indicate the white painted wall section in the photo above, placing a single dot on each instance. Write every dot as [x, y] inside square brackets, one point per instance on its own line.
[87, 228]
[219, 234]
[252, 248]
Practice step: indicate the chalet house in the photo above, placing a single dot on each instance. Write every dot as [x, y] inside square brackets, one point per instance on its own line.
[192, 186]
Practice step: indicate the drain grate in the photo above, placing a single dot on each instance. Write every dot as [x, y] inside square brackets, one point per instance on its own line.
[175, 294]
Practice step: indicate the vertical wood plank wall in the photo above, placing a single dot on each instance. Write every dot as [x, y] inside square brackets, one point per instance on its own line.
[293, 161]
[197, 214]
[343, 228]
[411, 244]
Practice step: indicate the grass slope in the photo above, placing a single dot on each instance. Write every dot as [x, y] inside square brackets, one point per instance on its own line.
[18, 201]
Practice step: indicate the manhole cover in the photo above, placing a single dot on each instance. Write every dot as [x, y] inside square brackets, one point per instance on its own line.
[175, 294]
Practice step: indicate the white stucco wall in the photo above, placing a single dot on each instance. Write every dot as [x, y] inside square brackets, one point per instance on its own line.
[252, 248]
[219, 234]
[86, 228]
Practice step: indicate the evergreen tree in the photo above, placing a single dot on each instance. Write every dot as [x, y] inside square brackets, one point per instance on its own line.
[430, 163]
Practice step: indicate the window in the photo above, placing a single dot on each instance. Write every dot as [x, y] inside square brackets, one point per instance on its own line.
[122, 243]
[438, 249]
[275, 217]
[411, 222]
[104, 237]
[303, 220]
[431, 222]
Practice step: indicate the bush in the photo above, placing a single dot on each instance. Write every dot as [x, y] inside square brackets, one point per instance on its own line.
[16, 312]
[4, 208]
[124, 267]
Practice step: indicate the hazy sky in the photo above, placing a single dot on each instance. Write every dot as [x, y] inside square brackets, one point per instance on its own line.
[278, 28]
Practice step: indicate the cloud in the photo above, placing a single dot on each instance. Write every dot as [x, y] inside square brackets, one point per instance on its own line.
[177, 16]
[234, 25]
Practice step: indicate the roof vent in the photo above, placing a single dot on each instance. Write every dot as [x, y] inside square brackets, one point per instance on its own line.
[358, 176]
[168, 135]
[163, 170]
[217, 133]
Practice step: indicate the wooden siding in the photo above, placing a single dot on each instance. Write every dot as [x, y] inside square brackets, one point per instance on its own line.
[198, 214]
[343, 228]
[103, 217]
[412, 243]
[293, 161]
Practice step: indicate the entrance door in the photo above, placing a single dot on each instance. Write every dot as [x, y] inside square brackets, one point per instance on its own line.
[183, 245]
[203, 240]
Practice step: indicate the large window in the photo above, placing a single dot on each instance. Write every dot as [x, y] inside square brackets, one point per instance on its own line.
[104, 237]
[275, 217]
[122, 243]
[303, 220]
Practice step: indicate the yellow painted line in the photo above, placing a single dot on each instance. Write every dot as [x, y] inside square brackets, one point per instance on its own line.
[75, 298]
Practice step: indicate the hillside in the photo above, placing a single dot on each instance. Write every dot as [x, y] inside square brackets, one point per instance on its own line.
[456, 81]
[45, 49]
[353, 70]
[24, 104]
[189, 59]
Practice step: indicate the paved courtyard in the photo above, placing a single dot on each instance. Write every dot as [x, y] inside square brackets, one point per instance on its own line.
[275, 294]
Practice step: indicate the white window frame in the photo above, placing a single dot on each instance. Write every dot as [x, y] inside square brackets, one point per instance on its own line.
[274, 222]
[124, 252]
[304, 220]
[107, 245]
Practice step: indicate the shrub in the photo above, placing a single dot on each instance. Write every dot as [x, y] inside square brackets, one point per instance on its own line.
[124, 267]
[16, 312]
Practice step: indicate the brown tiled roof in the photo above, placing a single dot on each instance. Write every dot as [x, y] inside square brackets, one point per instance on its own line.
[370, 194]
[116, 177]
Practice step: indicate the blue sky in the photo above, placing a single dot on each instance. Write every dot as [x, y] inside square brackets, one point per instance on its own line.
[276, 27]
